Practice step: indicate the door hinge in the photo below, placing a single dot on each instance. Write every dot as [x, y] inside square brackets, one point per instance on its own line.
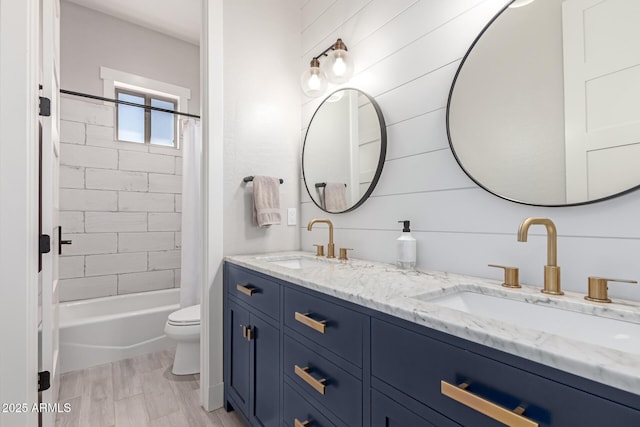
[45, 106]
[44, 381]
[45, 244]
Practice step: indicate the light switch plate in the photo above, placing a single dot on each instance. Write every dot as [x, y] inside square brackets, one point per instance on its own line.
[291, 216]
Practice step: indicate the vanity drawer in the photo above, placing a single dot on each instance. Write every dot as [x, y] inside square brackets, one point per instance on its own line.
[320, 379]
[327, 324]
[417, 365]
[254, 290]
[387, 413]
[297, 408]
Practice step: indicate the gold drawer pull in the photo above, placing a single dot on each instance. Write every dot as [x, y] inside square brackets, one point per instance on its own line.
[511, 418]
[298, 423]
[313, 324]
[247, 291]
[303, 373]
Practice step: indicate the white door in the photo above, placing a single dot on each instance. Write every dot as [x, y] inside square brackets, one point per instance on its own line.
[19, 65]
[49, 205]
[602, 96]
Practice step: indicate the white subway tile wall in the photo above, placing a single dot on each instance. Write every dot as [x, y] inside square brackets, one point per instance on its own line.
[120, 204]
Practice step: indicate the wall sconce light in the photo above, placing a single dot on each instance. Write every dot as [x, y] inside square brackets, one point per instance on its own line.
[520, 3]
[338, 68]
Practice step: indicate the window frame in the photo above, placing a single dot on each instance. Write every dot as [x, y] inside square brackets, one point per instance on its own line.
[147, 116]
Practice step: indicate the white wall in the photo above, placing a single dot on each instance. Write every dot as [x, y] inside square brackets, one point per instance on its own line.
[261, 117]
[90, 39]
[406, 53]
[120, 204]
[251, 127]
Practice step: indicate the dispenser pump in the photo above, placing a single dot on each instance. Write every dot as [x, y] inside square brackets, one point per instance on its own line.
[406, 246]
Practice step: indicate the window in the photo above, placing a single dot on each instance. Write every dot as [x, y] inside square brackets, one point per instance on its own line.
[135, 124]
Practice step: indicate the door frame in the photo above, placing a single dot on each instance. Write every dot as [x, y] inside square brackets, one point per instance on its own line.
[212, 104]
[19, 65]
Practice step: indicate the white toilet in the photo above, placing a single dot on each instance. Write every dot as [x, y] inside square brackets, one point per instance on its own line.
[183, 326]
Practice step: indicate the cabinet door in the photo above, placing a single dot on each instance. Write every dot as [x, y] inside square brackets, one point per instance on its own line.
[239, 353]
[429, 370]
[387, 413]
[266, 372]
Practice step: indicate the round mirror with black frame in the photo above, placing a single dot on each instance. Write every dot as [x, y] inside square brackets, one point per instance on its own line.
[344, 150]
[544, 107]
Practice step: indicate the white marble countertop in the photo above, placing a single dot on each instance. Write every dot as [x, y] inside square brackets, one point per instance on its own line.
[387, 289]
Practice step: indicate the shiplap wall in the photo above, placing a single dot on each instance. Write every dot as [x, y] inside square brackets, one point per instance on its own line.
[406, 53]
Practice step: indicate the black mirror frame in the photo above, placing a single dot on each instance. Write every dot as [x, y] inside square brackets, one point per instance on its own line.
[453, 84]
[381, 158]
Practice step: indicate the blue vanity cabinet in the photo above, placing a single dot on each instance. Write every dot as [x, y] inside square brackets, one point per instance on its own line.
[324, 382]
[298, 410]
[310, 357]
[430, 366]
[385, 412]
[236, 344]
[265, 368]
[324, 355]
[257, 291]
[252, 363]
[331, 326]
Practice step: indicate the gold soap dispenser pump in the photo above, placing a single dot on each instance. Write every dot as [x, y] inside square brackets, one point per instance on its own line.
[406, 248]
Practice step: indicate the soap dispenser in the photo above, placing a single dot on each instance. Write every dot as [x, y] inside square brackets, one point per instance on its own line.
[406, 248]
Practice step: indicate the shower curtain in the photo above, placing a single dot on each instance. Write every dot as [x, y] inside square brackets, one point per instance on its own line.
[191, 273]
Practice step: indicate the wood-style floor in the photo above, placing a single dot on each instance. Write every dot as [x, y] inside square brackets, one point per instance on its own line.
[137, 392]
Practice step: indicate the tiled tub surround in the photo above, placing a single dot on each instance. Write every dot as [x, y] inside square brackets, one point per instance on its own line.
[120, 204]
[384, 288]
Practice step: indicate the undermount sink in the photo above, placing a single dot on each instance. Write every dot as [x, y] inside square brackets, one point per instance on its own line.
[297, 262]
[602, 331]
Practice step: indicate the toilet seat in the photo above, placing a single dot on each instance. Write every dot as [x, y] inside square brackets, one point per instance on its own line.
[188, 316]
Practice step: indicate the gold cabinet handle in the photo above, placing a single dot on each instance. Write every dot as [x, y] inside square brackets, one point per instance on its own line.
[511, 418]
[511, 279]
[318, 325]
[247, 332]
[303, 373]
[247, 291]
[298, 423]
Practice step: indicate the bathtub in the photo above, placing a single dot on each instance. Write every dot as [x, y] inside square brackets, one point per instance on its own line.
[102, 330]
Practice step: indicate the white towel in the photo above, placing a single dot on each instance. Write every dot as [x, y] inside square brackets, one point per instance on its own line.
[335, 197]
[266, 201]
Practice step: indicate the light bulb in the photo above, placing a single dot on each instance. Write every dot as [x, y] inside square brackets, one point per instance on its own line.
[338, 66]
[313, 80]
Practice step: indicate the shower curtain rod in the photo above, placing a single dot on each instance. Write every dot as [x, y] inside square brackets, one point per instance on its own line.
[132, 104]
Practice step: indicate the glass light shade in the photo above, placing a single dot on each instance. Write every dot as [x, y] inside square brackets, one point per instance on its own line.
[313, 81]
[520, 3]
[338, 66]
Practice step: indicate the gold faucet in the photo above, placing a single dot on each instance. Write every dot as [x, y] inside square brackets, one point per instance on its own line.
[331, 248]
[551, 270]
